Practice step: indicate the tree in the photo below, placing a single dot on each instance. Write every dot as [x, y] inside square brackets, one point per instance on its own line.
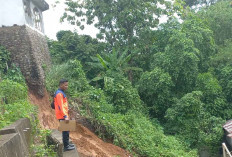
[180, 61]
[191, 3]
[225, 79]
[222, 66]
[121, 22]
[223, 57]
[213, 98]
[199, 32]
[113, 62]
[155, 90]
[73, 46]
[188, 120]
[122, 95]
[219, 18]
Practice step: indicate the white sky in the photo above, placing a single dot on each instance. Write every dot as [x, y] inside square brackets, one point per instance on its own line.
[52, 22]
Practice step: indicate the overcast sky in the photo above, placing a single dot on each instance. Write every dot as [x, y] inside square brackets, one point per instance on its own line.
[52, 22]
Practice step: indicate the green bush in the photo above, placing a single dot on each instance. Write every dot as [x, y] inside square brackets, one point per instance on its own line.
[213, 98]
[72, 70]
[189, 121]
[15, 111]
[12, 92]
[14, 74]
[122, 95]
[94, 102]
[14, 102]
[136, 133]
[155, 90]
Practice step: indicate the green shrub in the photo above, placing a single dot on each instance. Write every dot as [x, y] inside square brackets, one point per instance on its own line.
[72, 70]
[94, 102]
[15, 111]
[136, 133]
[155, 90]
[12, 92]
[14, 102]
[122, 95]
[213, 98]
[14, 74]
[190, 122]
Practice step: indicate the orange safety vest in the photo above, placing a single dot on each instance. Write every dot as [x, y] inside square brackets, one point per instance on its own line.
[61, 105]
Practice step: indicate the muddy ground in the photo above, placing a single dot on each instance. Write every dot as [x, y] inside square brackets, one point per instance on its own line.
[88, 144]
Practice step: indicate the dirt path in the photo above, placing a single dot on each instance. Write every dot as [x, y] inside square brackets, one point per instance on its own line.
[88, 144]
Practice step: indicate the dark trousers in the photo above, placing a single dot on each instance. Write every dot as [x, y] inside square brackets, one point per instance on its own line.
[65, 137]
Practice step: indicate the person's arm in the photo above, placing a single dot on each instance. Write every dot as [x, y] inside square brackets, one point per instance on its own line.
[60, 103]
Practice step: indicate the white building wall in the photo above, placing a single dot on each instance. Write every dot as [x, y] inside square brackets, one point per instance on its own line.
[11, 12]
[33, 16]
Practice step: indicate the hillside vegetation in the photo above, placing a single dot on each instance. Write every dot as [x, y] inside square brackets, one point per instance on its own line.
[155, 92]
[153, 89]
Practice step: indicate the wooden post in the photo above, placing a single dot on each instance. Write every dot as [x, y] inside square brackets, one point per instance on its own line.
[225, 151]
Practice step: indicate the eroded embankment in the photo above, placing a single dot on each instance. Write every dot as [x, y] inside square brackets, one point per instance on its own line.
[88, 144]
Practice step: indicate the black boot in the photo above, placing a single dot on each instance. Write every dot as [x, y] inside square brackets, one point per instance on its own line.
[72, 145]
[68, 148]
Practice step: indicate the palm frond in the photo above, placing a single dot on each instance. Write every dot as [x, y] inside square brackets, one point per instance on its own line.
[123, 54]
[103, 62]
[97, 78]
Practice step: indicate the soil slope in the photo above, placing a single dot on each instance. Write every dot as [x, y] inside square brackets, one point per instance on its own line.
[88, 144]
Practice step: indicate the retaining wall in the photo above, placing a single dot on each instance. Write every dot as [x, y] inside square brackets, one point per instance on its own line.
[29, 51]
[15, 139]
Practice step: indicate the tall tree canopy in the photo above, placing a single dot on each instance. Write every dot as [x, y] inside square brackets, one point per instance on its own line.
[119, 21]
[199, 2]
[219, 17]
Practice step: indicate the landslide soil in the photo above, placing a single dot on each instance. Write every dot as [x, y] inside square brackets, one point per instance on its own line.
[87, 143]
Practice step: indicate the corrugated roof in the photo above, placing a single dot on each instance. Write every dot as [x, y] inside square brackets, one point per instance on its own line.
[228, 126]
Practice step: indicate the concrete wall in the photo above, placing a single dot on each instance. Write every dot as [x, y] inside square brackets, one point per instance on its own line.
[11, 12]
[15, 139]
[29, 51]
[10, 146]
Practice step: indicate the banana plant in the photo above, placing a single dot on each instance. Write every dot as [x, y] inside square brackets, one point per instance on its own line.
[114, 61]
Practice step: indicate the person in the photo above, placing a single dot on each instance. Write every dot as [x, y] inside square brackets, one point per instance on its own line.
[61, 110]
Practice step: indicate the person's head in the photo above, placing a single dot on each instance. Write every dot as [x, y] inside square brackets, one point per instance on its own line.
[63, 84]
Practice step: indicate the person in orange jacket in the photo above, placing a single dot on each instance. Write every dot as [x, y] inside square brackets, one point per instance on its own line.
[61, 109]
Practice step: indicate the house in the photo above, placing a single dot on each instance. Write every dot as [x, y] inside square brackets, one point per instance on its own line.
[23, 12]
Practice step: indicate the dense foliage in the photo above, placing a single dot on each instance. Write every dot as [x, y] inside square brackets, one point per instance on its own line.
[117, 113]
[156, 92]
[14, 102]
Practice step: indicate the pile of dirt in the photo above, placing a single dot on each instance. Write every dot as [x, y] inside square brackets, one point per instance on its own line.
[88, 144]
